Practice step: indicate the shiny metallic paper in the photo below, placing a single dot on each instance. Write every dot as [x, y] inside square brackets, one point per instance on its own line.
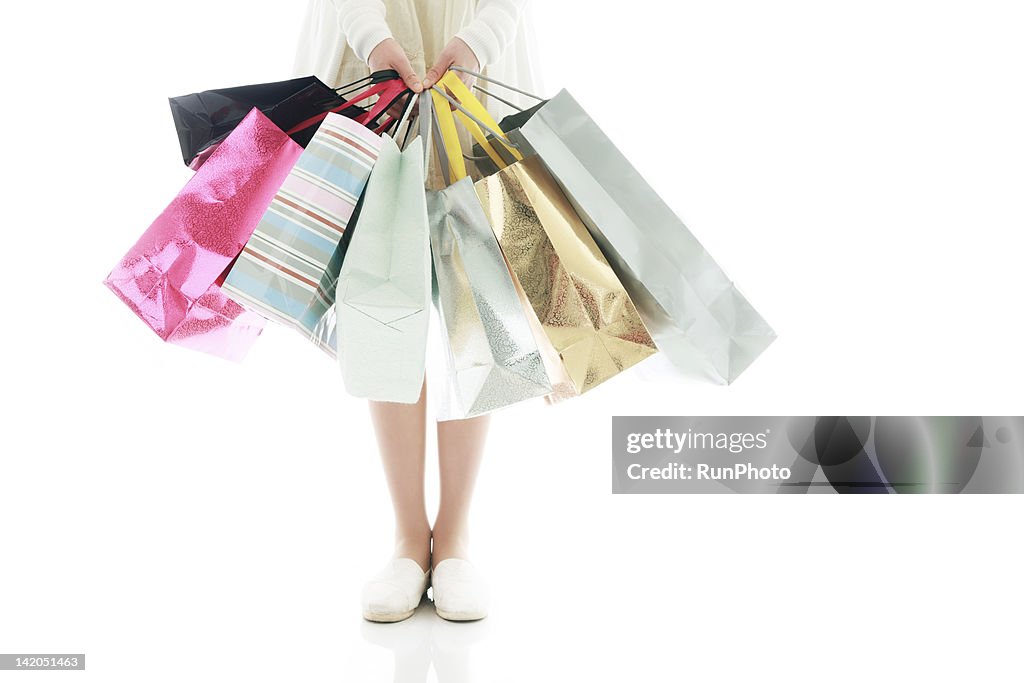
[562, 385]
[493, 358]
[697, 316]
[580, 303]
[170, 277]
[383, 296]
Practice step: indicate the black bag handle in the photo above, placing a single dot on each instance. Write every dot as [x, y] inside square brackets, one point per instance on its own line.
[373, 79]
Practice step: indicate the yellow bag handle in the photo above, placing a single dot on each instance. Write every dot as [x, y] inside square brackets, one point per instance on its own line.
[471, 111]
[473, 105]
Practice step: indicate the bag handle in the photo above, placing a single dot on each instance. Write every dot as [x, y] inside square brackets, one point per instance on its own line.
[472, 112]
[313, 120]
[388, 125]
[476, 118]
[448, 137]
[426, 117]
[373, 79]
[407, 115]
[495, 97]
[430, 133]
[490, 94]
[389, 91]
[449, 150]
[495, 81]
[442, 158]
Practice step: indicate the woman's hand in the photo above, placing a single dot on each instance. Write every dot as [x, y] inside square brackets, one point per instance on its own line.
[456, 53]
[389, 55]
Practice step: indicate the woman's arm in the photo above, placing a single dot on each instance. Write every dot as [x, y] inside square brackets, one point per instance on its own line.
[364, 25]
[481, 42]
[492, 29]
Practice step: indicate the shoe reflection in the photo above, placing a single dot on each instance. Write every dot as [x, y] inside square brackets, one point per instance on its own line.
[425, 639]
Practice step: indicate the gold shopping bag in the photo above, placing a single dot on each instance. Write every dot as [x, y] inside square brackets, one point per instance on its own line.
[578, 300]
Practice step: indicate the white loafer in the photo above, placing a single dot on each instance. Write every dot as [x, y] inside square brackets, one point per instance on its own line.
[395, 592]
[460, 593]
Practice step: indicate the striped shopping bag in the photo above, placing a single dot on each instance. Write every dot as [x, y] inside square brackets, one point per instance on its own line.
[288, 269]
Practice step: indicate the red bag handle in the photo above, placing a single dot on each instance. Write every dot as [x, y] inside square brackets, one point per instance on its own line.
[391, 94]
[386, 122]
[389, 91]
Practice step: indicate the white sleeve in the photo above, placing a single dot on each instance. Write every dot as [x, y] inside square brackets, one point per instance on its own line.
[492, 29]
[363, 24]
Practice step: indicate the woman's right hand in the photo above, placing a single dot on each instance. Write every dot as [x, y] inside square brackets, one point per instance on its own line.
[389, 55]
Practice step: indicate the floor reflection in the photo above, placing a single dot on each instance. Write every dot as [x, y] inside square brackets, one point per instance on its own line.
[424, 640]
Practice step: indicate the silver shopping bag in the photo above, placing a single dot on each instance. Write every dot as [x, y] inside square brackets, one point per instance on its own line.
[698, 318]
[493, 360]
[382, 302]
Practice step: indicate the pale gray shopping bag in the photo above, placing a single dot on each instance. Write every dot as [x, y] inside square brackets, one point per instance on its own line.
[492, 357]
[697, 317]
[384, 289]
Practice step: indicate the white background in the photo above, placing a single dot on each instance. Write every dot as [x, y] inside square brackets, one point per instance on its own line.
[855, 166]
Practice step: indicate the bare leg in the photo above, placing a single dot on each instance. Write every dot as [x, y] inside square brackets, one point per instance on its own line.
[401, 436]
[460, 447]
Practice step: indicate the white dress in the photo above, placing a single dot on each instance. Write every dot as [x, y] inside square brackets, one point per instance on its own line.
[498, 31]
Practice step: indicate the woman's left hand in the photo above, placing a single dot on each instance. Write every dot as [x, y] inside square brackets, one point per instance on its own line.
[455, 53]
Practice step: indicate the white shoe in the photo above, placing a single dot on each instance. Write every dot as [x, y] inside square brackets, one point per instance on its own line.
[460, 593]
[395, 592]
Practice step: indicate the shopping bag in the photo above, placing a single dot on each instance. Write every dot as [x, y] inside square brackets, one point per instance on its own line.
[288, 269]
[582, 306]
[382, 304]
[202, 120]
[482, 156]
[170, 277]
[696, 314]
[492, 357]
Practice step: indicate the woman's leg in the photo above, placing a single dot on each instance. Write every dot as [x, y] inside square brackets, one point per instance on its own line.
[401, 436]
[460, 447]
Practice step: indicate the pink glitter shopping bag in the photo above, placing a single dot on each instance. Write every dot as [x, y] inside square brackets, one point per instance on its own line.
[171, 277]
